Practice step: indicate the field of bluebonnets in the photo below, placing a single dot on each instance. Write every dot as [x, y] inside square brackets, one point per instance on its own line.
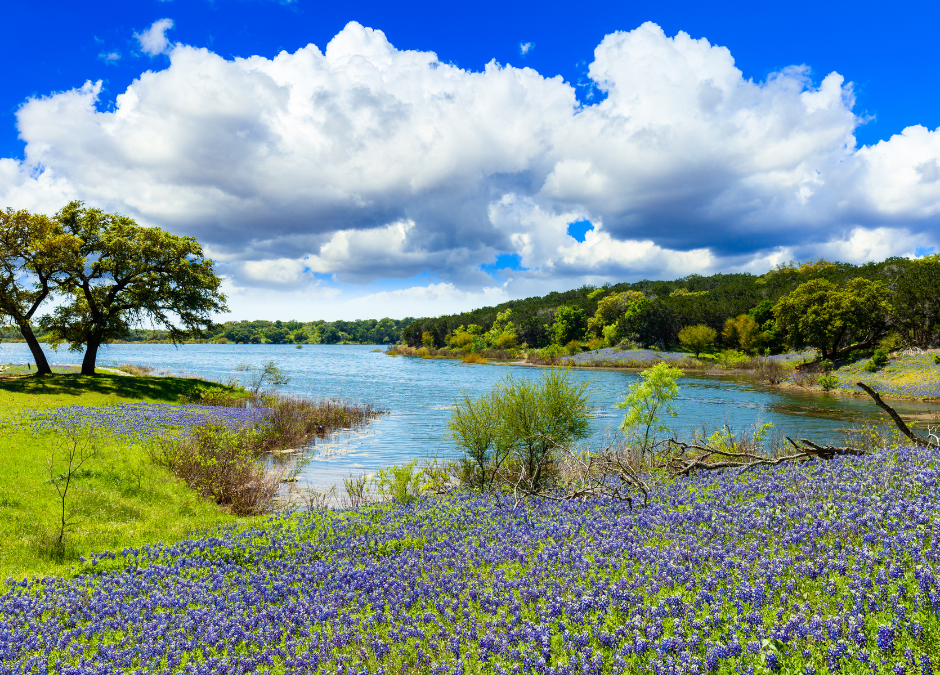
[817, 567]
[146, 421]
[908, 375]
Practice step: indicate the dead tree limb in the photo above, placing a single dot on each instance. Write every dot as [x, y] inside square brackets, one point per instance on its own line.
[894, 416]
[682, 464]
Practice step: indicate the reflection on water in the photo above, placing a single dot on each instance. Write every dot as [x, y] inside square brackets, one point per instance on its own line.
[420, 393]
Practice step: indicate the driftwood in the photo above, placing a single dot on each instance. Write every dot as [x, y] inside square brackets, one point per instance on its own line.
[683, 464]
[707, 458]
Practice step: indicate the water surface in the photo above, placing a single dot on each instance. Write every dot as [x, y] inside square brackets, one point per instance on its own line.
[418, 393]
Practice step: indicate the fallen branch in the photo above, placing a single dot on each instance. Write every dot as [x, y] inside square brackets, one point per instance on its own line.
[894, 416]
[682, 465]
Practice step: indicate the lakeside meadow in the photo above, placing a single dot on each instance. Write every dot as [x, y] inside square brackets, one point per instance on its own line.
[634, 490]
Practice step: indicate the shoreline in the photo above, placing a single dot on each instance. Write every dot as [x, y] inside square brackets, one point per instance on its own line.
[708, 371]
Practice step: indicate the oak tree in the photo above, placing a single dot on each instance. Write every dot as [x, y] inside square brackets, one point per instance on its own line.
[34, 253]
[833, 319]
[126, 275]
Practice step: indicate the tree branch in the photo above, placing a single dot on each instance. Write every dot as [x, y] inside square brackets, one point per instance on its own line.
[894, 416]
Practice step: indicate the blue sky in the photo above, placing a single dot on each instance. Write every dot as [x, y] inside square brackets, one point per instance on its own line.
[327, 189]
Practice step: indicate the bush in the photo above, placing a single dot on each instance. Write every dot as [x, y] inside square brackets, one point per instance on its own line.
[729, 358]
[936, 358]
[222, 464]
[769, 370]
[878, 361]
[828, 382]
[400, 484]
[473, 357]
[513, 433]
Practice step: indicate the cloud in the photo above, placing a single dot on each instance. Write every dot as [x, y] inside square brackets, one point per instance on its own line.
[361, 163]
[111, 58]
[525, 48]
[153, 41]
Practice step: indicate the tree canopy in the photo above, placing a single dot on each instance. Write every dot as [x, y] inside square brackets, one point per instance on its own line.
[35, 252]
[125, 274]
[832, 318]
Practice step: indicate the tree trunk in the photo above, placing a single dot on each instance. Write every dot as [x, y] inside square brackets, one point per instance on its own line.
[91, 355]
[42, 366]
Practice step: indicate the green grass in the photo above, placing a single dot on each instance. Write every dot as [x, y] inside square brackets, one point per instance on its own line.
[914, 376]
[120, 499]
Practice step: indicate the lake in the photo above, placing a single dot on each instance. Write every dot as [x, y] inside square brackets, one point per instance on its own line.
[418, 394]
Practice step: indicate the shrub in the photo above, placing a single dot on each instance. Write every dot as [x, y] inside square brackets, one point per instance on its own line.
[551, 353]
[878, 361]
[936, 358]
[423, 353]
[220, 463]
[514, 432]
[400, 484]
[729, 358]
[473, 357]
[828, 382]
[769, 370]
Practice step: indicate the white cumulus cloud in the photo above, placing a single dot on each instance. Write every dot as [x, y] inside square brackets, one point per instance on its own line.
[365, 162]
[153, 41]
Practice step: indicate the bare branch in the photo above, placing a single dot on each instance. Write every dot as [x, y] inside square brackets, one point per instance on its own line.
[894, 416]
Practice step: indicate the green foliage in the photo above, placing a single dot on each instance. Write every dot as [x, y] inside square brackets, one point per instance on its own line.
[552, 352]
[521, 423]
[646, 402]
[742, 331]
[830, 318]
[123, 274]
[610, 335]
[936, 358]
[877, 361]
[667, 306]
[475, 427]
[725, 440]
[610, 309]
[915, 311]
[427, 339]
[697, 338]
[401, 484]
[570, 324]
[828, 382]
[729, 358]
[502, 334]
[32, 247]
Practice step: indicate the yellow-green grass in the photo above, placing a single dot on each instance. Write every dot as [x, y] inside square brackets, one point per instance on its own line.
[119, 499]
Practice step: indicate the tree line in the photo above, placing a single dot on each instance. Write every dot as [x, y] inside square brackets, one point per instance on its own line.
[832, 307]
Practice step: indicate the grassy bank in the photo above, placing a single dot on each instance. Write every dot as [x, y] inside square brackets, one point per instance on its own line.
[819, 567]
[117, 499]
